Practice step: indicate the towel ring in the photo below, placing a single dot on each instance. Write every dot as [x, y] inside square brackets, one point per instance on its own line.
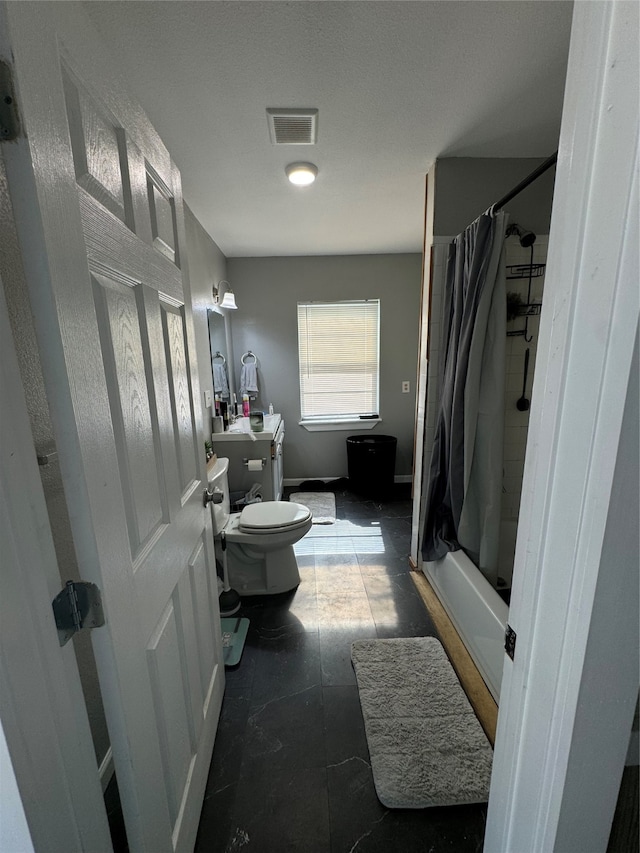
[219, 355]
[249, 353]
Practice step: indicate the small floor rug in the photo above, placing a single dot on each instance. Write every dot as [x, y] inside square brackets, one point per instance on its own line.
[426, 745]
[321, 504]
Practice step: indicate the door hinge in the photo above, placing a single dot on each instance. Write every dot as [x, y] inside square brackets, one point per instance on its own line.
[9, 118]
[78, 606]
[510, 637]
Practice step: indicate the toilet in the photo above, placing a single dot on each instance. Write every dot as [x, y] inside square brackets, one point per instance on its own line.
[259, 540]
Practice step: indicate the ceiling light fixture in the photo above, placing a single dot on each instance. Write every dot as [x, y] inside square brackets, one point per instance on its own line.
[301, 174]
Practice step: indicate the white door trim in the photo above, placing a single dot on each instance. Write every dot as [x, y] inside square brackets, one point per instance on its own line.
[588, 327]
[423, 366]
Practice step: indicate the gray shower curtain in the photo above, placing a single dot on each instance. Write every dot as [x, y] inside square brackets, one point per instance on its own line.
[465, 475]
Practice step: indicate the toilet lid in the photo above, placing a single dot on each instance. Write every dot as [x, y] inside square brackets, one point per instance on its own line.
[274, 515]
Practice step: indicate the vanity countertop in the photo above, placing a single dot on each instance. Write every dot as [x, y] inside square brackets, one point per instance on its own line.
[239, 431]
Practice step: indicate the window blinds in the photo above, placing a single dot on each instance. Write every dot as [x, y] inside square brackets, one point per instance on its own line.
[339, 358]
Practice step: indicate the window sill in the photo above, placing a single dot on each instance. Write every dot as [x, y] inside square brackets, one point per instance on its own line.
[334, 425]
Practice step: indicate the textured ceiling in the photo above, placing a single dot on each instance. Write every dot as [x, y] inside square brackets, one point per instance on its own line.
[397, 84]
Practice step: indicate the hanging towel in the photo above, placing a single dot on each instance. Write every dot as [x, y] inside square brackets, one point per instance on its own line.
[249, 380]
[220, 383]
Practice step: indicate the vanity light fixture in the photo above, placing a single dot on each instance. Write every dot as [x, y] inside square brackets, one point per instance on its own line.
[301, 174]
[228, 300]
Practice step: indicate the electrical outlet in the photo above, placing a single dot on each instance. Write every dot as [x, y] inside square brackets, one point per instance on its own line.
[405, 387]
[207, 399]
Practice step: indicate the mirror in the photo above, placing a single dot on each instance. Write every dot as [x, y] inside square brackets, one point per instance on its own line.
[218, 344]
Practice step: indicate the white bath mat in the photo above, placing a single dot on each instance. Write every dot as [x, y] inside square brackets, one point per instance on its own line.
[321, 504]
[426, 745]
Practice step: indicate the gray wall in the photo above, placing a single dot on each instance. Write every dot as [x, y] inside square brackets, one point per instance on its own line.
[467, 186]
[267, 292]
[207, 266]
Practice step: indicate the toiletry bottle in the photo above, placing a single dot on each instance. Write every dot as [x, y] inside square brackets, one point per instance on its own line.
[245, 405]
[270, 408]
[224, 409]
[217, 404]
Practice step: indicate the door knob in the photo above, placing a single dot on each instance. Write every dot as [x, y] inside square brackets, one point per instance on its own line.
[215, 496]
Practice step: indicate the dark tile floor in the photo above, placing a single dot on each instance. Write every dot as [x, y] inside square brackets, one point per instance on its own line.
[290, 768]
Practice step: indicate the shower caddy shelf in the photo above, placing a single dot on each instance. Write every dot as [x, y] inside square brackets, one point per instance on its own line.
[525, 272]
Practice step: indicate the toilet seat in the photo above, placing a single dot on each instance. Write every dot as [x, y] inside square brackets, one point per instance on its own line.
[273, 517]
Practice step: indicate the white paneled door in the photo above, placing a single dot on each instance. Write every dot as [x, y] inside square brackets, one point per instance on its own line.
[98, 207]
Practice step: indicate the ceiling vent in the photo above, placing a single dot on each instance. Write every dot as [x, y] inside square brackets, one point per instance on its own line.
[293, 127]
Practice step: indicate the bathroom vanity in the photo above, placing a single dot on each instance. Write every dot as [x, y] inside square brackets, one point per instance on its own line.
[250, 461]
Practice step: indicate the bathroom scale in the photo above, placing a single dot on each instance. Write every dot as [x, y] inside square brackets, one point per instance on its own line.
[234, 633]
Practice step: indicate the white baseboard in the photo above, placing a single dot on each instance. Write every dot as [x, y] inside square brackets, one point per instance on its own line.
[295, 481]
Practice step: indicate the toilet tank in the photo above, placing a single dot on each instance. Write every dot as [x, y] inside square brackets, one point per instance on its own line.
[218, 482]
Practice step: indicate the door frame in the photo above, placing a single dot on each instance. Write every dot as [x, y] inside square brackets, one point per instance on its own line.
[568, 698]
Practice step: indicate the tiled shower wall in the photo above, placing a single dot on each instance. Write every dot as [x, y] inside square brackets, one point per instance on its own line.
[516, 422]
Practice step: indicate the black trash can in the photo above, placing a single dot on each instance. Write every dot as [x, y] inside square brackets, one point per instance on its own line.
[372, 463]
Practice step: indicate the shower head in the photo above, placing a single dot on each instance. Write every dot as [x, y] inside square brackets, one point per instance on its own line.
[527, 238]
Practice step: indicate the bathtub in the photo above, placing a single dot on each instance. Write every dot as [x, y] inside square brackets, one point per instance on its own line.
[478, 613]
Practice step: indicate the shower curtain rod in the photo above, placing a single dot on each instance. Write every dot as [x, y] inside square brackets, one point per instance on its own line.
[547, 164]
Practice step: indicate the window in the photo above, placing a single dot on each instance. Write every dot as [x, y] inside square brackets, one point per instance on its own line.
[339, 358]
